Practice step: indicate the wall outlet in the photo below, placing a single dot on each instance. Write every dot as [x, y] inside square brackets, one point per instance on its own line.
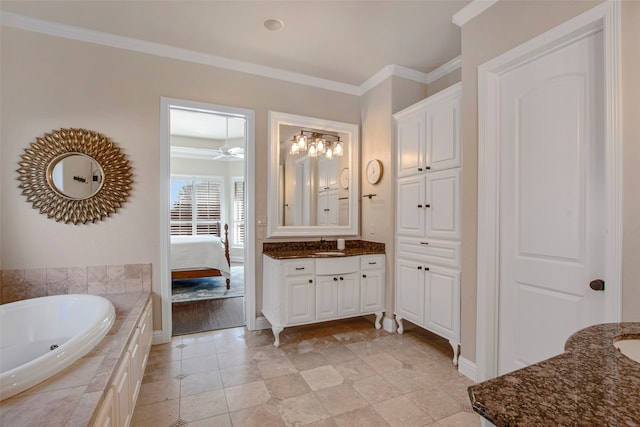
[373, 229]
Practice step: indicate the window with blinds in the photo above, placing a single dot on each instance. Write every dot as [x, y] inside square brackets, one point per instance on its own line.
[196, 206]
[238, 212]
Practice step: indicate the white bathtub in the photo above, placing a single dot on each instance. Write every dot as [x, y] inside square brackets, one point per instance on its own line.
[29, 329]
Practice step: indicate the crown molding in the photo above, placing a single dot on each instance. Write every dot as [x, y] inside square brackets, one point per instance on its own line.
[470, 11]
[21, 22]
[26, 23]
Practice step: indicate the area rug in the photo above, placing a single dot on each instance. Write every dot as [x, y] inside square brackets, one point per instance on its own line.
[208, 287]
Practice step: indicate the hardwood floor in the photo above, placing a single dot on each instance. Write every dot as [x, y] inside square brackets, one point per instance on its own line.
[207, 315]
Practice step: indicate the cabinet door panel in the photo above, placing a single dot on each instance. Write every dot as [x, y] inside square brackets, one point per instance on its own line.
[122, 393]
[372, 291]
[326, 297]
[410, 291]
[300, 299]
[349, 294]
[443, 198]
[410, 139]
[443, 134]
[410, 211]
[442, 302]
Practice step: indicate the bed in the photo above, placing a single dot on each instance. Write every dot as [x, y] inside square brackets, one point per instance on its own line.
[202, 256]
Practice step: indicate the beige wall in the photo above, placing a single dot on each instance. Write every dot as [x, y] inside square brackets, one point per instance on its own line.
[445, 81]
[503, 26]
[48, 83]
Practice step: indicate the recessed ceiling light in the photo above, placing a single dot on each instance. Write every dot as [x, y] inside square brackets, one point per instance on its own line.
[273, 24]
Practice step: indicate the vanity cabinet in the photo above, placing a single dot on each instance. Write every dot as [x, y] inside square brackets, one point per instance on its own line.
[120, 398]
[428, 208]
[309, 290]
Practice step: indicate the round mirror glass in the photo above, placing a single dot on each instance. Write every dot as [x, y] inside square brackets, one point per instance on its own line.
[76, 176]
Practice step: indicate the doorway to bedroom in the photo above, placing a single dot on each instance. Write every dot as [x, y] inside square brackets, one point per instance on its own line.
[206, 219]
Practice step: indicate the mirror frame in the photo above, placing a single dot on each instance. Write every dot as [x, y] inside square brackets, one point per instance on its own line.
[274, 229]
[37, 162]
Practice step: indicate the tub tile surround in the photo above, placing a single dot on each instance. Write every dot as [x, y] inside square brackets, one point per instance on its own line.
[16, 285]
[71, 397]
[591, 383]
[306, 249]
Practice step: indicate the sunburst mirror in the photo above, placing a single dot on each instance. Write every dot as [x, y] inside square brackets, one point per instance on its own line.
[75, 175]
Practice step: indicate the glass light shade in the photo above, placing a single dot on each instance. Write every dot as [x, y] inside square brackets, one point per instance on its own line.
[302, 142]
[313, 150]
[329, 153]
[338, 150]
[294, 148]
[320, 143]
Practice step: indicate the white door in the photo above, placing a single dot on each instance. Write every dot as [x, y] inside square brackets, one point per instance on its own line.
[301, 298]
[410, 214]
[326, 297]
[551, 201]
[348, 294]
[442, 204]
[410, 140]
[443, 133]
[410, 290]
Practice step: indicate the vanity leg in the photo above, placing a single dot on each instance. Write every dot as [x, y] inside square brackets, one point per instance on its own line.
[276, 333]
[456, 348]
[378, 318]
[400, 327]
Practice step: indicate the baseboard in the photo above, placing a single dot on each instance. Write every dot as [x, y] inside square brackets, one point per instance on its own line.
[468, 368]
[262, 323]
[389, 324]
[158, 338]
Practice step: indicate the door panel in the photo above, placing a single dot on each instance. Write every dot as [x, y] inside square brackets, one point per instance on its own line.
[409, 216]
[442, 301]
[443, 199]
[410, 137]
[410, 291]
[551, 201]
[443, 138]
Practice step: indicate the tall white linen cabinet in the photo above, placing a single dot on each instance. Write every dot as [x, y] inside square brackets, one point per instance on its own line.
[428, 163]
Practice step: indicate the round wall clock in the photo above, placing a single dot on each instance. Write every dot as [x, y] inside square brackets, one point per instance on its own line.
[344, 178]
[374, 171]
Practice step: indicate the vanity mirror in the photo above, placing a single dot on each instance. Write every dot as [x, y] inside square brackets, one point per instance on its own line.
[313, 177]
[74, 175]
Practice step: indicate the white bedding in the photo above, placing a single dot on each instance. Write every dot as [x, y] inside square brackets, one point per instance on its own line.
[193, 253]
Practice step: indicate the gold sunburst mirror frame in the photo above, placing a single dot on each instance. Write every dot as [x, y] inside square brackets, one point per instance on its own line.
[108, 174]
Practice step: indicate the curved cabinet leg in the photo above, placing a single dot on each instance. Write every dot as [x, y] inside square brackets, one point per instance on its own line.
[400, 327]
[378, 318]
[276, 333]
[456, 348]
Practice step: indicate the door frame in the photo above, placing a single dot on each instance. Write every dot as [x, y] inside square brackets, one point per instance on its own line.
[606, 18]
[249, 179]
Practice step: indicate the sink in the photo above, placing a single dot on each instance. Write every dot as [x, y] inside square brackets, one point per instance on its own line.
[329, 253]
[629, 347]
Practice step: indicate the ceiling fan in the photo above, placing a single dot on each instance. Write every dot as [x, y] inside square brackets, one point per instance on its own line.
[226, 151]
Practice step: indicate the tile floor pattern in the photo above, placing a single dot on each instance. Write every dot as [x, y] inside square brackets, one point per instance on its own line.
[342, 373]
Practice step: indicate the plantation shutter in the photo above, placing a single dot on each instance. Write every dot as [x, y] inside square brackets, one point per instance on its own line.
[238, 213]
[196, 207]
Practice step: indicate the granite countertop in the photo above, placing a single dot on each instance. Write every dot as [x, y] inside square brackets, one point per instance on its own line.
[292, 250]
[590, 384]
[71, 397]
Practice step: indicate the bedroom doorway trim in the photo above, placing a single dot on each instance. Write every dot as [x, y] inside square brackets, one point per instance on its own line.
[249, 175]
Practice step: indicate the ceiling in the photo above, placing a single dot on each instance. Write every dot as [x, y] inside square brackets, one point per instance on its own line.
[342, 41]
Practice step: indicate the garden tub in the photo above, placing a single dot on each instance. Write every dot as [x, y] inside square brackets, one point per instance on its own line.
[40, 337]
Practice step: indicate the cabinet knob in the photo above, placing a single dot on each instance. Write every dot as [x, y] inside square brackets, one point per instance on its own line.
[335, 279]
[428, 167]
[299, 268]
[419, 267]
[310, 280]
[341, 278]
[364, 276]
[426, 269]
[419, 169]
[427, 206]
[419, 206]
[424, 243]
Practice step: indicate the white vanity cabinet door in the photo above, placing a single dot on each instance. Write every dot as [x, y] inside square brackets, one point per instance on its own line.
[443, 204]
[443, 133]
[410, 290]
[106, 416]
[410, 210]
[442, 302]
[372, 269]
[328, 208]
[122, 392]
[326, 297]
[348, 295]
[135, 374]
[301, 297]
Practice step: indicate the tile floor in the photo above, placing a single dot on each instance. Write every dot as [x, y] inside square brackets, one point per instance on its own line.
[342, 373]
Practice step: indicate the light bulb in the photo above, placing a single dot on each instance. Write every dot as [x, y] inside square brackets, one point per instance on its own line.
[302, 142]
[320, 144]
[313, 150]
[338, 150]
[294, 148]
[329, 153]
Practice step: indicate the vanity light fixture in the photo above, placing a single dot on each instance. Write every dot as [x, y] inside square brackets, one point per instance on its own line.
[316, 144]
